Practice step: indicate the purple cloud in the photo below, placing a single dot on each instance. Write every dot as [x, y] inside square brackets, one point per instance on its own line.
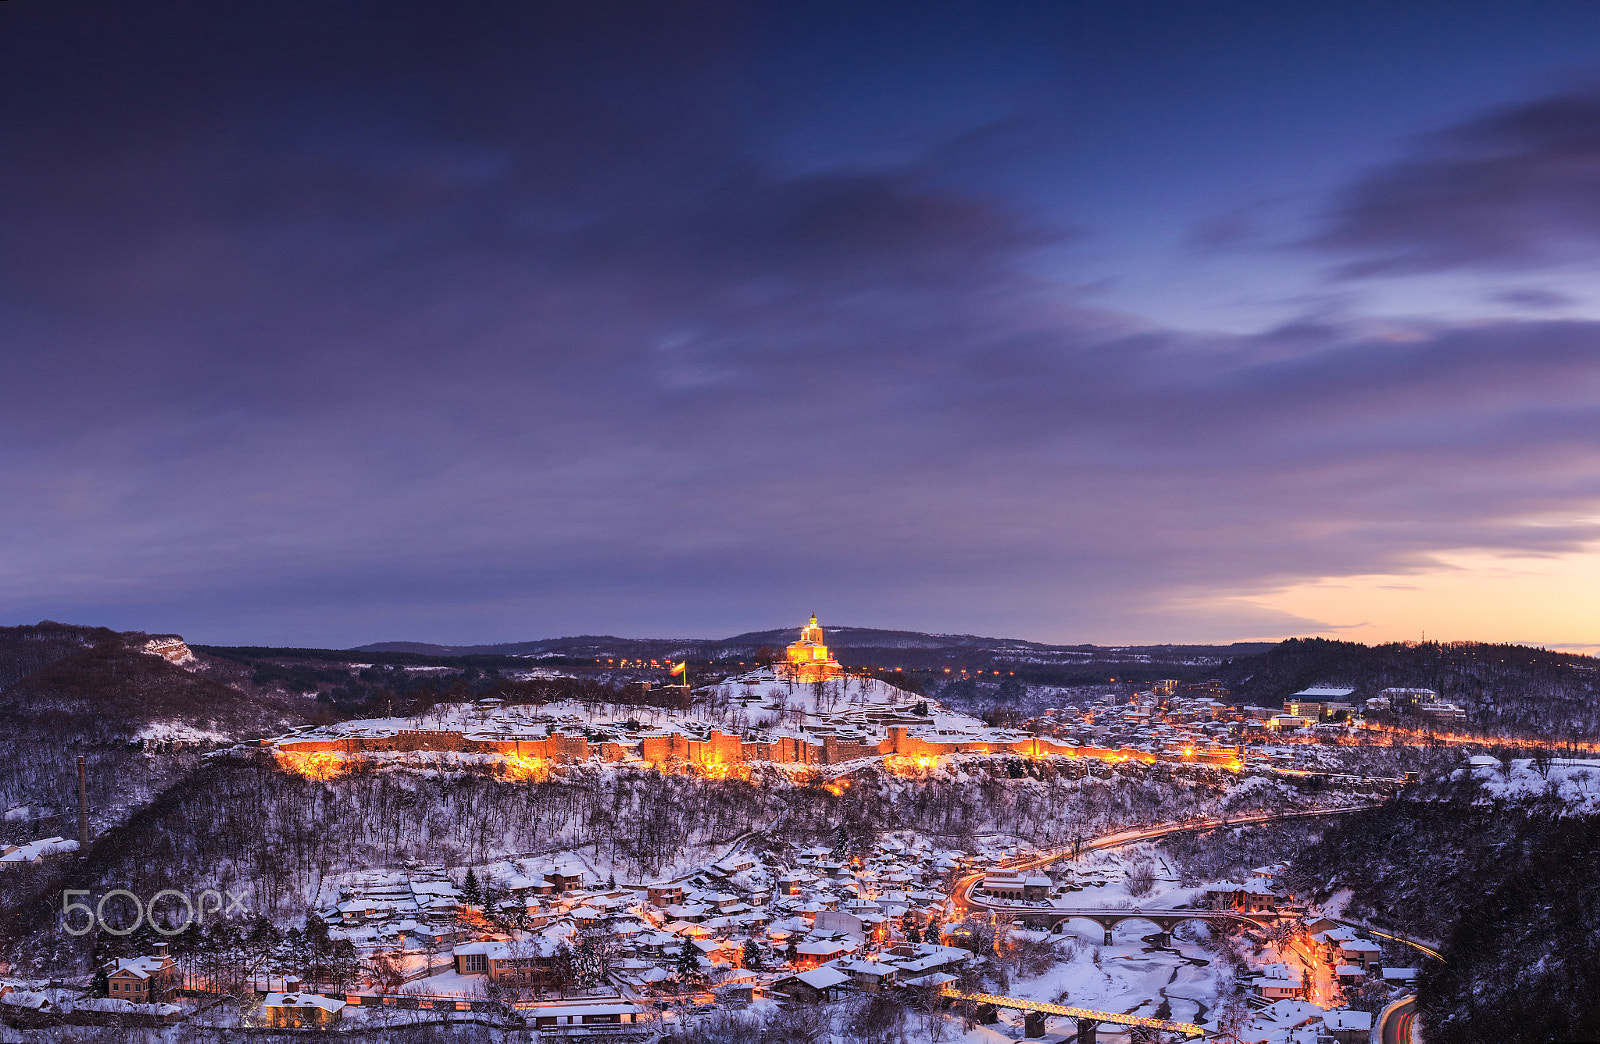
[528, 334]
[1516, 188]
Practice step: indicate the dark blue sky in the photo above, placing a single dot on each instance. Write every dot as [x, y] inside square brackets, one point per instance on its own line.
[325, 323]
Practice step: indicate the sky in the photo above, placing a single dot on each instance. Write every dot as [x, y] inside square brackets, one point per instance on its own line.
[1115, 322]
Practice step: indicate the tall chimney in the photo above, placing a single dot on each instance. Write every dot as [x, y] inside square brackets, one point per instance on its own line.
[83, 810]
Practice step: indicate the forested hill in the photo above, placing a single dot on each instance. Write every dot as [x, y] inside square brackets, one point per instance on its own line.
[1501, 686]
[869, 647]
[68, 690]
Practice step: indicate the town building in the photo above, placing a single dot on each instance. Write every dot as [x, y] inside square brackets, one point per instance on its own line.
[35, 852]
[1013, 884]
[529, 964]
[298, 1011]
[143, 980]
[1346, 1027]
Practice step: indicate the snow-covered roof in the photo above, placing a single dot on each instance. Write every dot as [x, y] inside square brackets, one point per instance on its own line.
[142, 967]
[34, 851]
[824, 978]
[818, 948]
[302, 1000]
[1345, 1019]
[548, 1010]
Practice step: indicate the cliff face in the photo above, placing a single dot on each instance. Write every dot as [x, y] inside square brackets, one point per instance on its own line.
[171, 648]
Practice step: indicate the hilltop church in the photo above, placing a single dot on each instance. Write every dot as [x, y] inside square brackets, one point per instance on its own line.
[808, 659]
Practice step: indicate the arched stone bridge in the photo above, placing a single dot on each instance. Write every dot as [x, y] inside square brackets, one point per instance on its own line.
[1054, 917]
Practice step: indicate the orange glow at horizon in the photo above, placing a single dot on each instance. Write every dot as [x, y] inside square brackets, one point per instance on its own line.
[1466, 596]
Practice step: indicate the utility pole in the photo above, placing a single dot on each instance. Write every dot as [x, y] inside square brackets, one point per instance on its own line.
[83, 809]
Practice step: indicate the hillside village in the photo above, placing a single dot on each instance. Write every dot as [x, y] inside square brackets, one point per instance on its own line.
[560, 943]
[568, 941]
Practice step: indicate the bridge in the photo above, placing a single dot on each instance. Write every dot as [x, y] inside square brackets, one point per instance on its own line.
[1053, 917]
[964, 895]
[1088, 1019]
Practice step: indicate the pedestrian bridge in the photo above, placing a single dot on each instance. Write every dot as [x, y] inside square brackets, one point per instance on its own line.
[1088, 1018]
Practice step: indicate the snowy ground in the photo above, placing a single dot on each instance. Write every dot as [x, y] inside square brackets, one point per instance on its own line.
[1129, 976]
[1575, 782]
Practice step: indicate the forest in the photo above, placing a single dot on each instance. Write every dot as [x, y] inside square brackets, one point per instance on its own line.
[1512, 690]
[1507, 887]
[278, 835]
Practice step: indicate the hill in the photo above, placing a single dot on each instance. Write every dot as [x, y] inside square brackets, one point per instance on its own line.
[870, 647]
[1505, 885]
[140, 720]
[1512, 689]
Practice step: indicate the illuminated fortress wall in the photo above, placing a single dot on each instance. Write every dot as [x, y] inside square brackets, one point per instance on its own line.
[717, 748]
[807, 660]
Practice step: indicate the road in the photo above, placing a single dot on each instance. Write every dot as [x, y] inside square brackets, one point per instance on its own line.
[1398, 1022]
[1419, 947]
[961, 894]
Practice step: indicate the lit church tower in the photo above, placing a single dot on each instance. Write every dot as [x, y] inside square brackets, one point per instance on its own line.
[809, 659]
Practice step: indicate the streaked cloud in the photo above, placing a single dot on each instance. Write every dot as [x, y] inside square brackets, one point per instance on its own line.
[526, 332]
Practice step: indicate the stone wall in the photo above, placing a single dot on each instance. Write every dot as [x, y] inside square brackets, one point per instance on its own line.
[719, 748]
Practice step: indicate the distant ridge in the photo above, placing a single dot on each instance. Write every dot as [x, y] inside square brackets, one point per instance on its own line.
[869, 643]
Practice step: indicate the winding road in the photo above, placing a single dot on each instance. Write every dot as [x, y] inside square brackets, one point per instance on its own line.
[1397, 1023]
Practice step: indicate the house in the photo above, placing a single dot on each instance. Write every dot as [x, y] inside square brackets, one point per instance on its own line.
[566, 877]
[1363, 953]
[921, 959]
[1347, 1027]
[664, 895]
[522, 884]
[819, 984]
[298, 1010]
[687, 911]
[1401, 976]
[1225, 895]
[108, 1011]
[143, 980]
[1279, 982]
[817, 952]
[547, 1017]
[1400, 697]
[868, 974]
[1013, 884]
[25, 1008]
[35, 852]
[1442, 713]
[530, 963]
[734, 864]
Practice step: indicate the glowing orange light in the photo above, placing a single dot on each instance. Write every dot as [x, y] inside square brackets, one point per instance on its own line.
[910, 765]
[718, 769]
[313, 764]
[526, 769]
